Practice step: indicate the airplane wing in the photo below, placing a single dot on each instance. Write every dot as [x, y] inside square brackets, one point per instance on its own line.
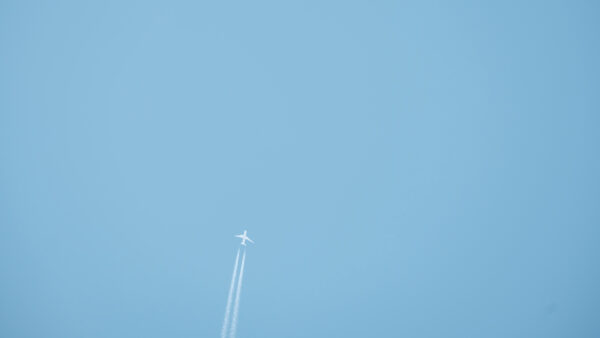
[239, 236]
[249, 240]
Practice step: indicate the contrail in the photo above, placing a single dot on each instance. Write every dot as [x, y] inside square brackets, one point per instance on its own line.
[236, 307]
[230, 297]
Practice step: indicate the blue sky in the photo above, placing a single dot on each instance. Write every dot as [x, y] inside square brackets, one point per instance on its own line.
[407, 169]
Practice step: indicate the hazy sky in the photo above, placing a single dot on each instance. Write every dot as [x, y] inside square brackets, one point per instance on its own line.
[407, 169]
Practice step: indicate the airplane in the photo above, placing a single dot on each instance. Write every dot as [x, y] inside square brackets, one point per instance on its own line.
[244, 238]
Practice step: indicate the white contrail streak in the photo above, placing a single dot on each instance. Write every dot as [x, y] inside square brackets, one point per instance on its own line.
[230, 297]
[236, 307]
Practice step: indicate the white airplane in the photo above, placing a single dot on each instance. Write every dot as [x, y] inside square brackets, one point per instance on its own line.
[245, 238]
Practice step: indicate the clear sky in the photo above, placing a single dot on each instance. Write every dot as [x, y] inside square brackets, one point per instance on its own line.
[407, 169]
